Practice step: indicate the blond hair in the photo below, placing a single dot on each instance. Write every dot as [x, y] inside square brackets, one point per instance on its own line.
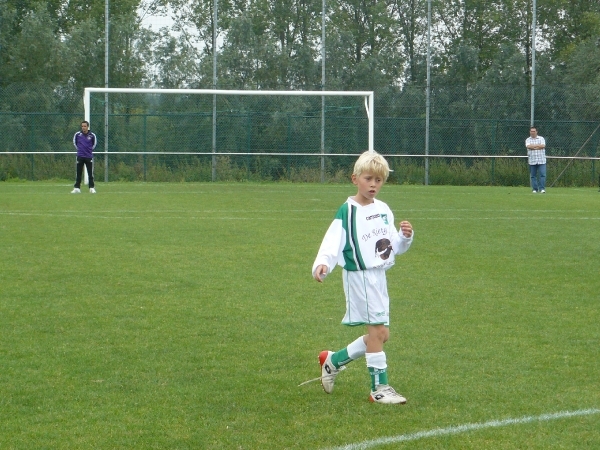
[373, 163]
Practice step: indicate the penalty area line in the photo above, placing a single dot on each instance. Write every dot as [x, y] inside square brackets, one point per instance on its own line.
[464, 428]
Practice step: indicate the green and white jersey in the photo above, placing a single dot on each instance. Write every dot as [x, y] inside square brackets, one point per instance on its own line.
[361, 238]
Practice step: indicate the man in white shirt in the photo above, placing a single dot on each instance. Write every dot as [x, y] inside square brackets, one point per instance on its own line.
[536, 153]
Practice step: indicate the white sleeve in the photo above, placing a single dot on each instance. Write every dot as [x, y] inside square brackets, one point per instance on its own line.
[331, 247]
[400, 243]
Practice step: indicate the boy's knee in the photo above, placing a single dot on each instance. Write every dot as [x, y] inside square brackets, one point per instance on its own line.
[380, 332]
[386, 335]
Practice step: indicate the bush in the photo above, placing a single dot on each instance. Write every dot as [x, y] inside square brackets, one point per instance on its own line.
[198, 168]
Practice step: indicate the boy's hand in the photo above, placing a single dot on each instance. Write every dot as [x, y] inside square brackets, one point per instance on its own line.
[321, 273]
[406, 229]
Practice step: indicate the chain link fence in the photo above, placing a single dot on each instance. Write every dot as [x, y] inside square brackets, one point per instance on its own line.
[476, 135]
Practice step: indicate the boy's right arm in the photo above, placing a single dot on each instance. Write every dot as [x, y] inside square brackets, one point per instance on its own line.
[320, 273]
[329, 252]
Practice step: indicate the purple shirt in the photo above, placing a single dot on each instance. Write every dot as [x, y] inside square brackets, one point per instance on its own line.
[85, 144]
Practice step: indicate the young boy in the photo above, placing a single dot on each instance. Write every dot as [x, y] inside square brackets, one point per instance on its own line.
[364, 241]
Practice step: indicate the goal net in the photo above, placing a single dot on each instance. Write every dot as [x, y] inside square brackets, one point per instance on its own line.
[214, 134]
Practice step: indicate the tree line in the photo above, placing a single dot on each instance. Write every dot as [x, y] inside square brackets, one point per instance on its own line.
[378, 45]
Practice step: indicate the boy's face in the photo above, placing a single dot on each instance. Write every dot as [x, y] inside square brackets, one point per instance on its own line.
[368, 186]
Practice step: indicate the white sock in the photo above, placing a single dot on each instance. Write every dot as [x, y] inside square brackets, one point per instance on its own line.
[357, 348]
[376, 360]
[377, 369]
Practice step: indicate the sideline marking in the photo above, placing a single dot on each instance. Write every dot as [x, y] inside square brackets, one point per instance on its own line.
[465, 428]
[80, 214]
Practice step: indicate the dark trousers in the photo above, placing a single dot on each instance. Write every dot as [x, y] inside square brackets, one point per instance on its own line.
[89, 166]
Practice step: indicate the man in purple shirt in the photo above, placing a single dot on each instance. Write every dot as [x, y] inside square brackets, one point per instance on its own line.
[85, 143]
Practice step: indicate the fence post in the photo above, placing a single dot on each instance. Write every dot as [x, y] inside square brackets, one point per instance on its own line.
[31, 147]
[144, 144]
[594, 153]
[494, 151]
[289, 145]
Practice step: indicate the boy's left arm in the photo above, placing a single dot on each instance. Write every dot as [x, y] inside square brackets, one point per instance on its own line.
[404, 237]
[406, 229]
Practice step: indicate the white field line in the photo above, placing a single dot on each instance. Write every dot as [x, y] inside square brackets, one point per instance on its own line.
[180, 211]
[505, 218]
[192, 216]
[406, 212]
[186, 217]
[465, 428]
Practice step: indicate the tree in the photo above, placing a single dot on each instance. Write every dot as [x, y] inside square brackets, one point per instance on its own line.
[35, 53]
[467, 29]
[412, 25]
[569, 22]
[248, 56]
[7, 33]
[85, 55]
[362, 48]
[175, 62]
[130, 52]
[296, 26]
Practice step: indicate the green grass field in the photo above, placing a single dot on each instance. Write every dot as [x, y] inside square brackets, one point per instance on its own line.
[184, 316]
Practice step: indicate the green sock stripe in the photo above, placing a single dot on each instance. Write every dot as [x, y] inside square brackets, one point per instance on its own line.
[378, 376]
[340, 358]
[383, 379]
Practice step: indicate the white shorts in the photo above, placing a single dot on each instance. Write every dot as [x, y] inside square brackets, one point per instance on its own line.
[367, 300]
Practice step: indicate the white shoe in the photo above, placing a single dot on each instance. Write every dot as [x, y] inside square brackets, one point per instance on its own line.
[92, 191]
[534, 192]
[543, 191]
[76, 191]
[328, 371]
[386, 394]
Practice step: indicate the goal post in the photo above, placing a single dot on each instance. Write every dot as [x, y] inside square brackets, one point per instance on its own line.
[368, 97]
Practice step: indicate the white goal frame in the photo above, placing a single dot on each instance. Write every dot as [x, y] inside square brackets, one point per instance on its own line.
[368, 96]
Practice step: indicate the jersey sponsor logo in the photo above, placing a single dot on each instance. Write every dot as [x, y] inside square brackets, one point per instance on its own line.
[374, 216]
[374, 233]
[383, 249]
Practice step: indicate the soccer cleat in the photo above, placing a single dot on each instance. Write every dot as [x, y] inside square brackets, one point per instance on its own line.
[92, 191]
[328, 371]
[76, 191]
[543, 191]
[386, 394]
